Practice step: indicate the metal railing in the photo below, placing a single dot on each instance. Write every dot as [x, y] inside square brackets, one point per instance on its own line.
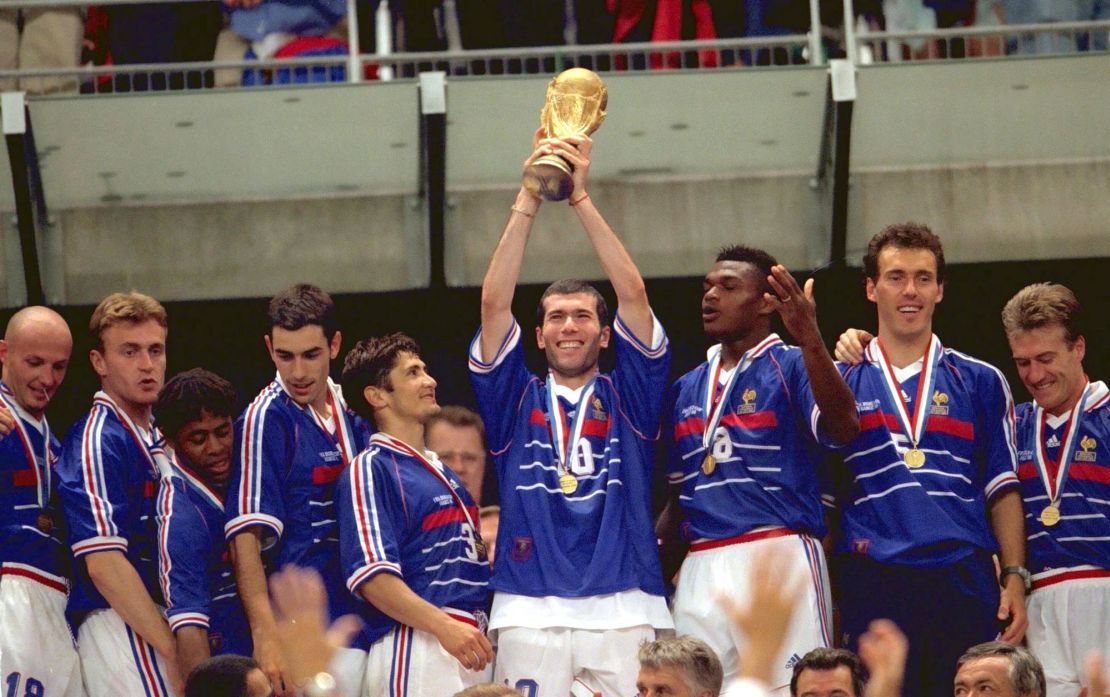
[1016, 40]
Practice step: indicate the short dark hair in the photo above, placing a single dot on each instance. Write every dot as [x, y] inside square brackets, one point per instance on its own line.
[1026, 673]
[369, 363]
[758, 258]
[187, 394]
[220, 676]
[301, 305]
[572, 286]
[823, 658]
[460, 417]
[906, 236]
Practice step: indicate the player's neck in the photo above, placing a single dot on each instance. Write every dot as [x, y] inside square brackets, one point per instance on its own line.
[573, 382]
[322, 406]
[139, 413]
[903, 350]
[410, 433]
[733, 351]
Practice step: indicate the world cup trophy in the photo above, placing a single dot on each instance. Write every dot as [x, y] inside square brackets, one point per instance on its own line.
[574, 105]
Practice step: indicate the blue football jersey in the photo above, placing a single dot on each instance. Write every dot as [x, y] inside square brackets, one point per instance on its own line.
[31, 531]
[765, 449]
[596, 537]
[284, 482]
[398, 515]
[935, 513]
[108, 479]
[195, 571]
[1082, 535]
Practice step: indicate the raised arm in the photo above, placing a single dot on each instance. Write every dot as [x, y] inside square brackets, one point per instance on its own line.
[499, 284]
[632, 299]
[799, 313]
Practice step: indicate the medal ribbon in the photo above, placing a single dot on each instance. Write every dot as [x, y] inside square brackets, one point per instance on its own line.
[154, 452]
[342, 436]
[565, 447]
[1055, 472]
[42, 474]
[913, 426]
[404, 447]
[715, 401]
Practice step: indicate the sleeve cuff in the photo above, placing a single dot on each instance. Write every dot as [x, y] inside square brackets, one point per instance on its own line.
[188, 619]
[658, 337]
[272, 527]
[99, 544]
[365, 573]
[477, 365]
[1001, 483]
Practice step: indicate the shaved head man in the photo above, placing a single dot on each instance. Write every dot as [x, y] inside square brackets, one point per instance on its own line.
[35, 643]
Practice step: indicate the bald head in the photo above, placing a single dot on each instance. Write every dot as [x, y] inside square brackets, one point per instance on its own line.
[35, 354]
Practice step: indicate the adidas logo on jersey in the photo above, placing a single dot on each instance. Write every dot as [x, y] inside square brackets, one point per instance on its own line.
[1053, 441]
[794, 658]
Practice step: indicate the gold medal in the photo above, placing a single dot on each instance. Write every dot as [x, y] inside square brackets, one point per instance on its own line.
[914, 458]
[568, 483]
[1050, 515]
[44, 522]
[708, 464]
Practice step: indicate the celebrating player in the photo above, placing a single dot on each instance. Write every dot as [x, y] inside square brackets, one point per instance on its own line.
[195, 410]
[747, 427]
[1063, 441]
[410, 543]
[930, 476]
[291, 444]
[576, 575]
[108, 476]
[37, 652]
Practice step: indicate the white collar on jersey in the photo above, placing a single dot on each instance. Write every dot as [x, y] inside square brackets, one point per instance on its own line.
[39, 424]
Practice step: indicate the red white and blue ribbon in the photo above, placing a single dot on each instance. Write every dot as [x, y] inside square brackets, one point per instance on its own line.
[566, 435]
[42, 473]
[912, 425]
[1054, 473]
[714, 399]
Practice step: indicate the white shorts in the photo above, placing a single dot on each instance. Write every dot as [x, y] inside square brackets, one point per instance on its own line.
[409, 662]
[551, 662]
[1067, 620]
[725, 569]
[116, 661]
[348, 667]
[35, 642]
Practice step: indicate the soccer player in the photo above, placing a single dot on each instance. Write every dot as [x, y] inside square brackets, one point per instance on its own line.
[1063, 442]
[458, 437]
[37, 653]
[576, 577]
[747, 429]
[410, 542]
[195, 410]
[928, 489]
[108, 475]
[291, 444]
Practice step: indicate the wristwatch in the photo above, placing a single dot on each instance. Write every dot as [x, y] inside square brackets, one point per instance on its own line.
[321, 685]
[1026, 577]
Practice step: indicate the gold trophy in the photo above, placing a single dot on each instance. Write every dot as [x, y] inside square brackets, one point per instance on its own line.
[574, 105]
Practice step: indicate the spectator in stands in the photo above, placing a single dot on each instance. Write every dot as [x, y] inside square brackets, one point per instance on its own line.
[682, 666]
[179, 32]
[457, 435]
[1097, 11]
[227, 676]
[826, 671]
[1041, 12]
[999, 668]
[283, 29]
[48, 37]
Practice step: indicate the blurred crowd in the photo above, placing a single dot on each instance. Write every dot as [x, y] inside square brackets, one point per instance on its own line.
[238, 30]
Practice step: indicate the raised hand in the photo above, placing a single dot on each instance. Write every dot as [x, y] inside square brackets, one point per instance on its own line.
[883, 649]
[795, 305]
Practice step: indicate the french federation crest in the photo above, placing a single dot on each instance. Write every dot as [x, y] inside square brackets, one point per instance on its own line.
[748, 407]
[940, 404]
[1087, 453]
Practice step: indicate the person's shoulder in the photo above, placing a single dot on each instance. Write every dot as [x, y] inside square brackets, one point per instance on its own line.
[966, 363]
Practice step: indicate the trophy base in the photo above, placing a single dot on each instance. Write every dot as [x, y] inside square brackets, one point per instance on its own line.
[549, 178]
